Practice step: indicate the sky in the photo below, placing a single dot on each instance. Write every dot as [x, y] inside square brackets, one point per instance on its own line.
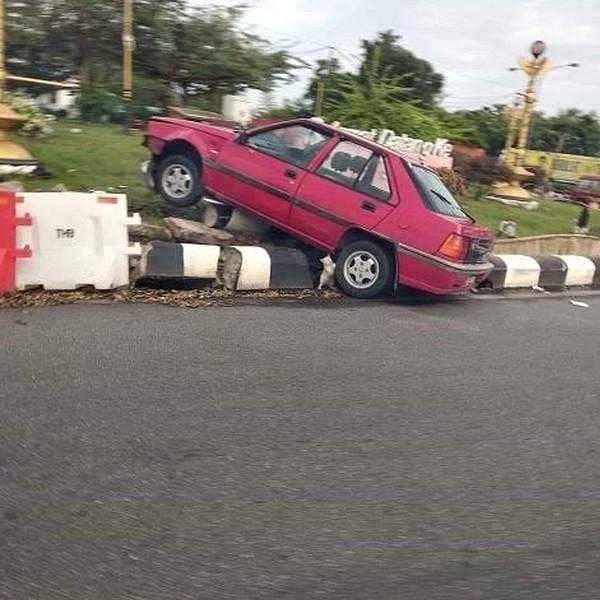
[471, 42]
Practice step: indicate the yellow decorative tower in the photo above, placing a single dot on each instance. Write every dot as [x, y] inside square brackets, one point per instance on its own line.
[520, 125]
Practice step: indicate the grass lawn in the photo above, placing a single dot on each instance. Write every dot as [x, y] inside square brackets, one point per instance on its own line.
[550, 217]
[101, 157]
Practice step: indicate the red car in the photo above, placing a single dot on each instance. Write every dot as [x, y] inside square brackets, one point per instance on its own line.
[587, 190]
[385, 220]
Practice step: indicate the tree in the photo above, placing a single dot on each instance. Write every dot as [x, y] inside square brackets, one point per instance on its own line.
[422, 84]
[329, 71]
[375, 102]
[204, 51]
[571, 131]
[214, 57]
[488, 127]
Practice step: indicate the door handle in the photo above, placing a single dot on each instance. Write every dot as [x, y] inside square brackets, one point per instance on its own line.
[366, 205]
[291, 174]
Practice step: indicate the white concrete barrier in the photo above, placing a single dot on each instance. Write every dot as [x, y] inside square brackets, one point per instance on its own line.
[521, 271]
[77, 239]
[255, 272]
[580, 270]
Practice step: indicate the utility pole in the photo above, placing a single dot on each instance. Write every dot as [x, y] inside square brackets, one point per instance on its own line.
[320, 100]
[2, 53]
[128, 47]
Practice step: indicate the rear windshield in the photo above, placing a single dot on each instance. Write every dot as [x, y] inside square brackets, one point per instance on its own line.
[437, 196]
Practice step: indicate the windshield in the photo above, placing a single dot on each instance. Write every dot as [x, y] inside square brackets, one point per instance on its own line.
[437, 196]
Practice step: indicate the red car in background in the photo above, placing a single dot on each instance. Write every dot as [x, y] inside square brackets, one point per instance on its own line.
[587, 190]
[385, 220]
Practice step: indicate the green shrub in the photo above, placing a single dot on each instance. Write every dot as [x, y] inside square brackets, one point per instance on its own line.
[99, 105]
[38, 124]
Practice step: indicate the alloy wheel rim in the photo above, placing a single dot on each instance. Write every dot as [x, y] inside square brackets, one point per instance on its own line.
[361, 270]
[177, 181]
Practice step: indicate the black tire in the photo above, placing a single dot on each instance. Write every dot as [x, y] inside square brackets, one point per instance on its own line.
[186, 188]
[364, 269]
[216, 216]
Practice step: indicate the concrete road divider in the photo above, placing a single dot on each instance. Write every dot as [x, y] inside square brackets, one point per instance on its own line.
[514, 271]
[580, 270]
[263, 268]
[76, 240]
[242, 223]
[167, 260]
[551, 272]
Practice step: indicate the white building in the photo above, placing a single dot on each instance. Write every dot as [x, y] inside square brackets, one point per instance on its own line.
[59, 99]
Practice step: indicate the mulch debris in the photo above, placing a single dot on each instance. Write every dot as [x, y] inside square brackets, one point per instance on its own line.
[200, 298]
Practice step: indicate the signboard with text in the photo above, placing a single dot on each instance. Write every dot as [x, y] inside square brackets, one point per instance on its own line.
[437, 154]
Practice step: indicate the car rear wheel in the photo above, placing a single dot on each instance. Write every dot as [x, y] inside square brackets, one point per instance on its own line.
[364, 269]
[179, 181]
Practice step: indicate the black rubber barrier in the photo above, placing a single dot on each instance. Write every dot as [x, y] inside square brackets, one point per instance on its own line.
[164, 260]
[553, 272]
[290, 269]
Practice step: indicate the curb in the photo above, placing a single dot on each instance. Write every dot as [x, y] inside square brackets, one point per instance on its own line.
[240, 268]
[248, 268]
[550, 272]
[256, 268]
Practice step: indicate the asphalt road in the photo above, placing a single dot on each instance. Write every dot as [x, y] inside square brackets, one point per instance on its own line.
[376, 451]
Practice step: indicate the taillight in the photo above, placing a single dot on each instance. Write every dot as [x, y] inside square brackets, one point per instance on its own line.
[454, 248]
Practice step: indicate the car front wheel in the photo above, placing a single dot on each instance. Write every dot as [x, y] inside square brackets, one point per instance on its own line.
[364, 270]
[179, 181]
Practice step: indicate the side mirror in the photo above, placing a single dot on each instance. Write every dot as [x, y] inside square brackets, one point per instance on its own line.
[242, 138]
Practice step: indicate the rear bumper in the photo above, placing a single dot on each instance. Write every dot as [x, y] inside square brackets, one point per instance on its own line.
[424, 271]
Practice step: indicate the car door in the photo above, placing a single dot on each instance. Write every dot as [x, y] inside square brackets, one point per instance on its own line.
[351, 188]
[262, 171]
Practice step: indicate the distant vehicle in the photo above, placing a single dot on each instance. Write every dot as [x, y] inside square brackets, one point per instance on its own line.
[562, 168]
[587, 190]
[386, 220]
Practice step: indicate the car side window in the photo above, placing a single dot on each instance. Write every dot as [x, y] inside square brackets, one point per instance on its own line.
[374, 179]
[359, 168]
[295, 144]
[346, 163]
